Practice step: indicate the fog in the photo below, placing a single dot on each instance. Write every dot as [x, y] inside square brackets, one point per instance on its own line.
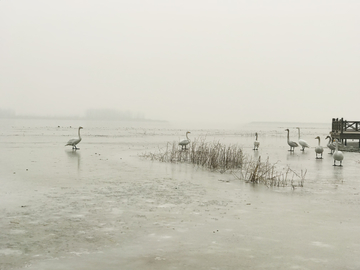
[188, 61]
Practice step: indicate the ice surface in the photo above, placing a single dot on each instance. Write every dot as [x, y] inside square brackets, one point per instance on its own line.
[104, 207]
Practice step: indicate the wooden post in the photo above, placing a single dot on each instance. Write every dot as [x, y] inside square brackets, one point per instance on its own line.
[341, 125]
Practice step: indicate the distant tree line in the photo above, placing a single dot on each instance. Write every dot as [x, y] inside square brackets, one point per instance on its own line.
[109, 114]
[7, 113]
[91, 114]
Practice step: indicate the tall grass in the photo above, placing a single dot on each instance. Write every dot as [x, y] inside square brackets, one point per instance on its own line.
[256, 172]
[219, 157]
[214, 156]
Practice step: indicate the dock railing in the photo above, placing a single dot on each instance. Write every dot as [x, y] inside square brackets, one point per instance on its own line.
[344, 130]
[341, 126]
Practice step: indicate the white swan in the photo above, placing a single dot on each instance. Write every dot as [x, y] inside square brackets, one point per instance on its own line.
[74, 142]
[291, 143]
[338, 155]
[302, 142]
[184, 143]
[330, 144]
[256, 143]
[319, 149]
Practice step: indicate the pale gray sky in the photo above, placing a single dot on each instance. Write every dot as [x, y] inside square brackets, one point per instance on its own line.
[198, 60]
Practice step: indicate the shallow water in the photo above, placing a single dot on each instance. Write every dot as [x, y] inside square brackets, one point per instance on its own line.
[103, 207]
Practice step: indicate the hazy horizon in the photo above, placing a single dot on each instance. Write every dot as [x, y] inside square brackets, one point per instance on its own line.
[108, 114]
[188, 61]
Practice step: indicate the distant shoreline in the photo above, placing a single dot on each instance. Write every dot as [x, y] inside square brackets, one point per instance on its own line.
[81, 118]
[287, 123]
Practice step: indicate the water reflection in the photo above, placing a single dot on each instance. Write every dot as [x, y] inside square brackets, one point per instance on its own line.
[338, 173]
[75, 156]
[290, 155]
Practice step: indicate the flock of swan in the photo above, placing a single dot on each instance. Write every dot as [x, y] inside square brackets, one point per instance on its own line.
[334, 147]
[337, 155]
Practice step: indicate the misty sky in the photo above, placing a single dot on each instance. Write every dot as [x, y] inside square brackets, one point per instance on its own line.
[190, 61]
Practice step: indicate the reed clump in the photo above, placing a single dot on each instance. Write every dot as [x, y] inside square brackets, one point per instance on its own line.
[257, 171]
[216, 156]
[212, 155]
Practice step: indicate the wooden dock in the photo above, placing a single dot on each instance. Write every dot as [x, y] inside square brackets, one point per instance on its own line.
[345, 130]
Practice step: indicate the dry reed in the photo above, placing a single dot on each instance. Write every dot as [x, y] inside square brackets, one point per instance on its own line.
[219, 157]
[256, 172]
[214, 156]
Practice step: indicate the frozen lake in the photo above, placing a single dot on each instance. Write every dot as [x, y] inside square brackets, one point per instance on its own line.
[104, 207]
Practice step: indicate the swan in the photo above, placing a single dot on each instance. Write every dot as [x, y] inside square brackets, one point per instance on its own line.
[330, 144]
[184, 143]
[319, 149]
[338, 155]
[256, 143]
[291, 143]
[74, 142]
[302, 142]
